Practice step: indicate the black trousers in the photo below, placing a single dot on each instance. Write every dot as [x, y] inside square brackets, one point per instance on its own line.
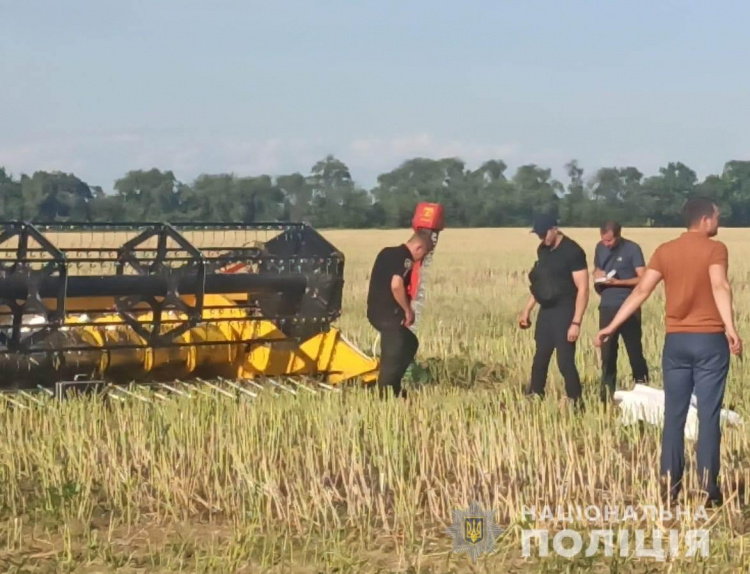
[631, 333]
[398, 347]
[551, 335]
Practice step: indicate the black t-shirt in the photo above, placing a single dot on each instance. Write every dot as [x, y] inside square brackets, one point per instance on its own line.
[565, 259]
[382, 307]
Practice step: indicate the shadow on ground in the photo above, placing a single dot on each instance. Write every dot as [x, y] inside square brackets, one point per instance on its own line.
[455, 371]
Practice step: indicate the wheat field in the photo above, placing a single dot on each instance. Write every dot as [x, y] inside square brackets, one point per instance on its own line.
[343, 482]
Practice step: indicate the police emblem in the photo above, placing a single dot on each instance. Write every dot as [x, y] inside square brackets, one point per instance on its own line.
[474, 531]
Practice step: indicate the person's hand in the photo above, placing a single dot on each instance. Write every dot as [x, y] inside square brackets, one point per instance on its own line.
[598, 274]
[602, 336]
[735, 343]
[409, 318]
[523, 321]
[573, 332]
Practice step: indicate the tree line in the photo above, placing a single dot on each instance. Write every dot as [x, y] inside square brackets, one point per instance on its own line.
[328, 197]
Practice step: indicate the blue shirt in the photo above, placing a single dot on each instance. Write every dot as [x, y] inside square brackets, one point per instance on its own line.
[627, 257]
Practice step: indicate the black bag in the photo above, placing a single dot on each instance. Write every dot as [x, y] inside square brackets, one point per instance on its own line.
[545, 284]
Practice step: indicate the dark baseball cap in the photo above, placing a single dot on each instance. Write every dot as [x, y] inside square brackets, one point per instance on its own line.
[543, 223]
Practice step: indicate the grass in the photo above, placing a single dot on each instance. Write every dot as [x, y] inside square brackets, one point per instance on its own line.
[341, 482]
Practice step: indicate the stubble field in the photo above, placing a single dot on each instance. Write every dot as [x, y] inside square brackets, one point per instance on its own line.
[342, 482]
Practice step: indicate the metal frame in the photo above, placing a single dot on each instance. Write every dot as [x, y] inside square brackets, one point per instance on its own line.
[302, 300]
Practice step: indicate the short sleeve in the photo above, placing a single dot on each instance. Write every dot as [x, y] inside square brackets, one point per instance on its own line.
[598, 256]
[393, 264]
[719, 255]
[656, 262]
[384, 263]
[638, 260]
[578, 260]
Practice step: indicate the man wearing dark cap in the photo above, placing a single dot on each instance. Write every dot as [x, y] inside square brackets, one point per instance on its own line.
[559, 285]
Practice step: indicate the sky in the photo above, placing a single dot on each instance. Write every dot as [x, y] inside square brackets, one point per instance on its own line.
[102, 87]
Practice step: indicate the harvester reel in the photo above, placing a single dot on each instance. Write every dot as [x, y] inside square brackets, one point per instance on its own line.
[23, 285]
[193, 265]
[155, 302]
[226, 310]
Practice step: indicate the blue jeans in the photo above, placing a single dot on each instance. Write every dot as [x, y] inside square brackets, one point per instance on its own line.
[694, 363]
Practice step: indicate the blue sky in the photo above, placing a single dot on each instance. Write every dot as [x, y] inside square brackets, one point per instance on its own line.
[101, 87]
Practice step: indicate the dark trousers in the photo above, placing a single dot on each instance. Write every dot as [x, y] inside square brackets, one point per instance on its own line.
[632, 334]
[398, 347]
[551, 335]
[693, 363]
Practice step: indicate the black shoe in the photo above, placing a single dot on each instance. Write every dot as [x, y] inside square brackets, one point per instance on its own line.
[716, 501]
[669, 496]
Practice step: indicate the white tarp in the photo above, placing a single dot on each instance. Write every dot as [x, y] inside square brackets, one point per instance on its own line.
[647, 404]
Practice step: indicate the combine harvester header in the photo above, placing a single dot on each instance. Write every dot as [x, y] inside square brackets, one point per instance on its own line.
[155, 303]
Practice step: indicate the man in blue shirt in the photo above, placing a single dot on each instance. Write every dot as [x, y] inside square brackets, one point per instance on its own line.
[618, 267]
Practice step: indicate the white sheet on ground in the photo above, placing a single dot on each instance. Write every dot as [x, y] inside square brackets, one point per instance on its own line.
[647, 404]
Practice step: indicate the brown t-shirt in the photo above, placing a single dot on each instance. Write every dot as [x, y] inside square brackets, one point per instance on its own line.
[683, 263]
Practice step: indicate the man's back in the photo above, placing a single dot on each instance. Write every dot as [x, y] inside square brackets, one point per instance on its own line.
[684, 263]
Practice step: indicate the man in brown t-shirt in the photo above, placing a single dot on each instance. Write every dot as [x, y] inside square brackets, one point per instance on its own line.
[700, 336]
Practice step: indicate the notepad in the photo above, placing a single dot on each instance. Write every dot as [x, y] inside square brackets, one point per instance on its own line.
[607, 278]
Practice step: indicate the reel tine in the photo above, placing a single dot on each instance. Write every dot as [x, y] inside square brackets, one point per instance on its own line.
[303, 385]
[217, 389]
[157, 394]
[14, 402]
[200, 391]
[329, 387]
[241, 390]
[175, 391]
[31, 398]
[287, 389]
[134, 395]
[257, 385]
[109, 391]
[45, 390]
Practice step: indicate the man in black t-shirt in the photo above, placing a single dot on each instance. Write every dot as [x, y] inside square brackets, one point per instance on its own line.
[389, 309]
[561, 283]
